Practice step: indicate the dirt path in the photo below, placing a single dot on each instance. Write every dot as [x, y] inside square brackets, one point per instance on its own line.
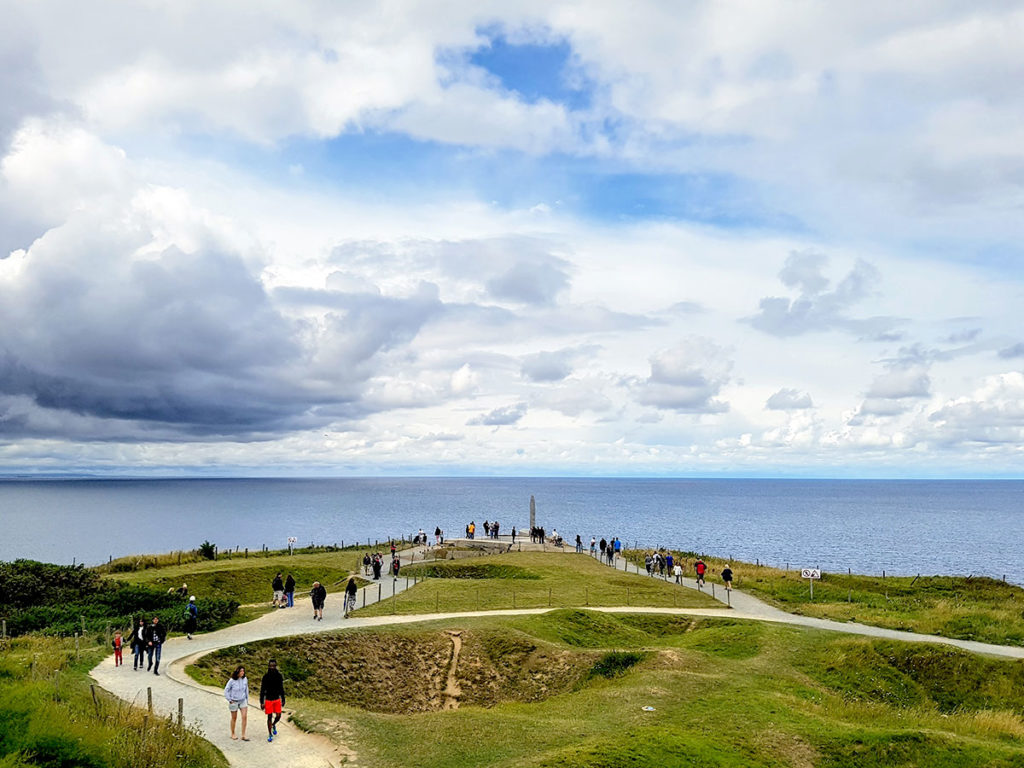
[452, 691]
[206, 708]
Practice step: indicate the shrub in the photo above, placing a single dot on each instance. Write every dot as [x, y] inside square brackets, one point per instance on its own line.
[208, 550]
[615, 663]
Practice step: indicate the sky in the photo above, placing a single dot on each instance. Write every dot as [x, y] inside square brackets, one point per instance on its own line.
[512, 238]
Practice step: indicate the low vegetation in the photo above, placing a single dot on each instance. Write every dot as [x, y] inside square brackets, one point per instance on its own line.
[529, 580]
[656, 690]
[64, 599]
[966, 608]
[51, 719]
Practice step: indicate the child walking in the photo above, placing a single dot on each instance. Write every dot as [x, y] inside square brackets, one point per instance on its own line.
[118, 644]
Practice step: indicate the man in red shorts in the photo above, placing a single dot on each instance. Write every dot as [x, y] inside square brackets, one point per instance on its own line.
[272, 698]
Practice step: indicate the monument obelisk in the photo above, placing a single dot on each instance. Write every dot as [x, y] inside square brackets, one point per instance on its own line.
[533, 513]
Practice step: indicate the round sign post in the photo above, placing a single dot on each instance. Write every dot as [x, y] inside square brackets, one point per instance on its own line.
[810, 574]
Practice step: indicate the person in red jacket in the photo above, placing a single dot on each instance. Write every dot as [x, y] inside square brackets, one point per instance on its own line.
[701, 569]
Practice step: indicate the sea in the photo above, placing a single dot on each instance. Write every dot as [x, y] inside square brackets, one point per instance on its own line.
[904, 527]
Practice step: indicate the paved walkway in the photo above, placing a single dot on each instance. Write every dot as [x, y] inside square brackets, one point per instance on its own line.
[206, 709]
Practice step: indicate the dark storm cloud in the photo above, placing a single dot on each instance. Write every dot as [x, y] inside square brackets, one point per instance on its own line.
[818, 309]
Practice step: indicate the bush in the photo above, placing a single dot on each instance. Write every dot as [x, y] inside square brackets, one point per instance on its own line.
[616, 663]
[208, 550]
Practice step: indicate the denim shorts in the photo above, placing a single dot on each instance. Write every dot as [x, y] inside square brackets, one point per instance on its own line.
[234, 706]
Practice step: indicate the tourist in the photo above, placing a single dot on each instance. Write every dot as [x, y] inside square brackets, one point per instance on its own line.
[118, 644]
[610, 551]
[579, 544]
[437, 535]
[727, 578]
[660, 560]
[471, 529]
[393, 548]
[487, 529]
[421, 537]
[678, 572]
[494, 529]
[603, 545]
[668, 562]
[593, 545]
[700, 569]
[648, 563]
[350, 595]
[617, 546]
[237, 693]
[183, 591]
[272, 697]
[156, 634]
[376, 566]
[138, 644]
[396, 565]
[513, 534]
[318, 594]
[191, 617]
[289, 591]
[367, 563]
[278, 586]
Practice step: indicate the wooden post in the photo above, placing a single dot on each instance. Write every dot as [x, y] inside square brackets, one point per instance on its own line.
[149, 698]
[379, 586]
[586, 595]
[713, 591]
[246, 553]
[76, 646]
[549, 597]
[83, 624]
[437, 602]
[95, 701]
[181, 711]
[627, 595]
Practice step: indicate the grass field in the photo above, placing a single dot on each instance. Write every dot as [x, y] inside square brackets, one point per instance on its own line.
[723, 692]
[968, 609]
[50, 718]
[248, 580]
[530, 580]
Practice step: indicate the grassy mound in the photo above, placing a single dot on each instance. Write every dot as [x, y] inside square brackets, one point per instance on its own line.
[448, 570]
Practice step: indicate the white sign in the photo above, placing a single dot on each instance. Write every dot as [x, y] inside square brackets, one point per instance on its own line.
[810, 573]
[292, 539]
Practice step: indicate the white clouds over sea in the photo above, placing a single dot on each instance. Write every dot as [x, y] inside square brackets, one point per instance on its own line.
[512, 238]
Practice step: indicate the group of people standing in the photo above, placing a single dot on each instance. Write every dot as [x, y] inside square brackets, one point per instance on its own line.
[271, 698]
[374, 564]
[610, 548]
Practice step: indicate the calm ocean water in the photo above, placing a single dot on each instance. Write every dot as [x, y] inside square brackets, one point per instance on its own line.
[903, 527]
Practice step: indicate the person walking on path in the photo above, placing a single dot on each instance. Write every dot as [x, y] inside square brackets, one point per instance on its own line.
[278, 586]
[593, 545]
[318, 594]
[367, 564]
[289, 591]
[604, 546]
[648, 563]
[678, 572]
[579, 544]
[350, 595]
[118, 644]
[376, 568]
[272, 697]
[513, 534]
[727, 578]
[237, 694]
[669, 562]
[700, 568]
[437, 535]
[156, 633]
[138, 644]
[191, 617]
[617, 546]
[396, 565]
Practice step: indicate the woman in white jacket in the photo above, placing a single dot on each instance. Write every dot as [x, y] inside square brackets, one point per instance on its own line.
[237, 694]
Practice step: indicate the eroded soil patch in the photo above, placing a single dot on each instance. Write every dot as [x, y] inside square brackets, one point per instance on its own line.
[404, 673]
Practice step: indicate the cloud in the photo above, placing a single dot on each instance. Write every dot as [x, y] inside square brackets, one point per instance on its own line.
[787, 399]
[549, 366]
[1012, 351]
[687, 378]
[991, 415]
[499, 417]
[529, 284]
[817, 309]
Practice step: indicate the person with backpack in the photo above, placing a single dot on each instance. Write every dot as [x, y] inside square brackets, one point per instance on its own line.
[289, 591]
[191, 617]
[318, 594]
[278, 586]
[701, 569]
[377, 566]
[350, 595]
[272, 697]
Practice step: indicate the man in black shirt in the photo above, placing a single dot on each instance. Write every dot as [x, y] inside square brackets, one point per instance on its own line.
[155, 635]
[272, 698]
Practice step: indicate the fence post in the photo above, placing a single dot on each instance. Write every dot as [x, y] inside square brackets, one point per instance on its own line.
[83, 624]
[149, 698]
[549, 597]
[76, 645]
[181, 711]
[95, 701]
[713, 590]
[627, 595]
[378, 591]
[586, 593]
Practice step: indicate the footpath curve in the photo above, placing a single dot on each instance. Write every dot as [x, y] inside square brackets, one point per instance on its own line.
[206, 710]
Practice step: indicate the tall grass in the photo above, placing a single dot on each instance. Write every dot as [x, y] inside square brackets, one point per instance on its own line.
[50, 716]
